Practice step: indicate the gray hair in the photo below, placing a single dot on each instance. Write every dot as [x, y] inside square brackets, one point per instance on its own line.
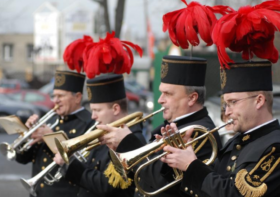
[200, 90]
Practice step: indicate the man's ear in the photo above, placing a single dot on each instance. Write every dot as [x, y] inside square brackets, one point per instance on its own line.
[193, 98]
[116, 109]
[260, 100]
[78, 97]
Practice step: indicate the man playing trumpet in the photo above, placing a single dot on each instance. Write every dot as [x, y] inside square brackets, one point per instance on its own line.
[182, 95]
[72, 118]
[108, 103]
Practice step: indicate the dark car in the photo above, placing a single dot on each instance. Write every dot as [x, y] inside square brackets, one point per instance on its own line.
[146, 97]
[23, 110]
[34, 97]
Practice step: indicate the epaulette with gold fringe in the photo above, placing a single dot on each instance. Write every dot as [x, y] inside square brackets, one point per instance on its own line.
[252, 184]
[115, 178]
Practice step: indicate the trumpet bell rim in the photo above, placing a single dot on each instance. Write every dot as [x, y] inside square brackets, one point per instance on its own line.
[28, 187]
[61, 151]
[118, 165]
[7, 151]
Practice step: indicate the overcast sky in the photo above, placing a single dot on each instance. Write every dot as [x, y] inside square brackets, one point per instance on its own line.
[17, 15]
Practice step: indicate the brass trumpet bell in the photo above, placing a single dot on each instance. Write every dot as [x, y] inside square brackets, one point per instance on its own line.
[68, 147]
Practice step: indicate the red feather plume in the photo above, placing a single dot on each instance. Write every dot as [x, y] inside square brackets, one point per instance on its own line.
[73, 54]
[109, 55]
[250, 30]
[183, 25]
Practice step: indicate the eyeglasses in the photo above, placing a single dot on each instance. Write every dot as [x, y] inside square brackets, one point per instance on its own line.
[231, 103]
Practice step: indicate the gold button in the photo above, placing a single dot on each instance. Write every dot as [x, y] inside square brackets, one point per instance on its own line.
[70, 182]
[191, 192]
[42, 185]
[228, 168]
[44, 150]
[57, 128]
[186, 189]
[92, 160]
[238, 147]
[45, 159]
[43, 167]
[233, 158]
[61, 121]
[72, 131]
[230, 178]
[138, 178]
[136, 189]
[196, 195]
[33, 160]
[95, 167]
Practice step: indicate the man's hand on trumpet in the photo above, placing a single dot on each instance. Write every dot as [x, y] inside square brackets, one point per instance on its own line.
[37, 135]
[58, 159]
[178, 158]
[114, 136]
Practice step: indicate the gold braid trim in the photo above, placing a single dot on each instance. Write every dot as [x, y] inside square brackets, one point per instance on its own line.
[247, 190]
[115, 178]
[271, 170]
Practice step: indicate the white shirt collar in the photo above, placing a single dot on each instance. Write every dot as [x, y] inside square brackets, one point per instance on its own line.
[251, 130]
[183, 116]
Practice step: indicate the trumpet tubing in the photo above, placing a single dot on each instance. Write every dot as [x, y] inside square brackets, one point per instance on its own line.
[123, 162]
[22, 143]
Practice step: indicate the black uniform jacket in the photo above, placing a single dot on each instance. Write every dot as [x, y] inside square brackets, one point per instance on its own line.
[41, 156]
[159, 174]
[90, 176]
[247, 165]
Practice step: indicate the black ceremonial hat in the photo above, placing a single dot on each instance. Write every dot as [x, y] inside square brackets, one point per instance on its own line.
[106, 89]
[181, 70]
[247, 77]
[69, 81]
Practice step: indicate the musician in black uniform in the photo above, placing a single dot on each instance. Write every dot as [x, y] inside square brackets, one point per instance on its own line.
[108, 103]
[72, 118]
[182, 94]
[248, 165]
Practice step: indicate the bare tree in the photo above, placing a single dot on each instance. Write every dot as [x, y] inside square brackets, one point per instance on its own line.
[118, 15]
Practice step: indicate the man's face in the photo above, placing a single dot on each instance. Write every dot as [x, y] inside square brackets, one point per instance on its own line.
[175, 100]
[242, 110]
[102, 113]
[66, 100]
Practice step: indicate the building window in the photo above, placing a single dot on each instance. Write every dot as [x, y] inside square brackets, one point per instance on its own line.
[29, 52]
[8, 52]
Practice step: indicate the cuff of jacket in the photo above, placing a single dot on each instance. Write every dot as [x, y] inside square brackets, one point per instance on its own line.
[130, 142]
[195, 174]
[75, 172]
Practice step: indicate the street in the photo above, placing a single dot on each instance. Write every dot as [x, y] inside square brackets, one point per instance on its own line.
[11, 172]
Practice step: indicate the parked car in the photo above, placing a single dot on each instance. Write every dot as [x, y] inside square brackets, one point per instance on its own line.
[7, 85]
[34, 97]
[146, 97]
[23, 110]
[213, 105]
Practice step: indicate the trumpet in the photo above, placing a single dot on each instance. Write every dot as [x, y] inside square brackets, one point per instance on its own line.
[22, 143]
[68, 147]
[123, 162]
[31, 184]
